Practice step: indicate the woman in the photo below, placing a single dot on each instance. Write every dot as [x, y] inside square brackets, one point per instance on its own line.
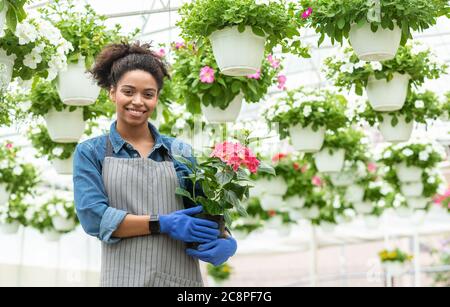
[125, 182]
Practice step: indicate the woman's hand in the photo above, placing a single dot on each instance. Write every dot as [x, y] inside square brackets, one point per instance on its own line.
[215, 252]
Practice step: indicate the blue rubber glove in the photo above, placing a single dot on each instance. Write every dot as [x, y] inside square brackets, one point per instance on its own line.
[216, 252]
[180, 225]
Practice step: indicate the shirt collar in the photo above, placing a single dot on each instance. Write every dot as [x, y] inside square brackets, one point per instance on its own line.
[118, 142]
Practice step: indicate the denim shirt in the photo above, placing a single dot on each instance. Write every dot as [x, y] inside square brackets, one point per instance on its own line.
[96, 216]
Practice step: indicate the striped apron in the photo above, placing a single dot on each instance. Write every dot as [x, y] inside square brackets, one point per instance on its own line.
[144, 187]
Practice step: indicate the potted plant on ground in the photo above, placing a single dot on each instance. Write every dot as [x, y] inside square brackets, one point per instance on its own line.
[219, 274]
[241, 31]
[374, 28]
[387, 83]
[398, 126]
[305, 116]
[394, 261]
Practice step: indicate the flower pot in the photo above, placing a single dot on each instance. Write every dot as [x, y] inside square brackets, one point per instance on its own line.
[404, 212]
[10, 228]
[354, 194]
[4, 194]
[408, 173]
[3, 18]
[238, 54]
[295, 214]
[381, 45]
[394, 268]
[219, 219]
[76, 87]
[306, 139]
[387, 96]
[342, 179]
[371, 221]
[417, 203]
[63, 167]
[273, 186]
[271, 202]
[412, 189]
[295, 202]
[230, 114]
[52, 235]
[327, 227]
[310, 213]
[6, 68]
[363, 207]
[327, 162]
[62, 224]
[65, 126]
[284, 230]
[400, 133]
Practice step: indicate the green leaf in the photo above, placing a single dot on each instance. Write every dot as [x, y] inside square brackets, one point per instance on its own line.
[182, 192]
[341, 23]
[184, 161]
[258, 31]
[224, 177]
[266, 168]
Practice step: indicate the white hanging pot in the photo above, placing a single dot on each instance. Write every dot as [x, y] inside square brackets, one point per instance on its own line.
[417, 203]
[63, 167]
[10, 228]
[310, 213]
[52, 235]
[62, 224]
[306, 139]
[271, 202]
[394, 268]
[404, 212]
[6, 68]
[76, 87]
[3, 17]
[275, 222]
[238, 54]
[285, 230]
[65, 126]
[295, 214]
[408, 173]
[327, 162]
[379, 46]
[295, 202]
[363, 207]
[371, 221]
[412, 189]
[387, 96]
[230, 114]
[400, 133]
[354, 193]
[327, 227]
[4, 194]
[342, 179]
[273, 186]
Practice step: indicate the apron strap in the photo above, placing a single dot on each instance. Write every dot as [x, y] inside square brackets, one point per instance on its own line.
[109, 149]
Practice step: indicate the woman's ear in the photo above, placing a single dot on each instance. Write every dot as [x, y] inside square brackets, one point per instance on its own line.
[112, 94]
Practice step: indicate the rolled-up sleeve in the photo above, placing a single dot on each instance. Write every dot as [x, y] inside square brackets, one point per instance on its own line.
[97, 218]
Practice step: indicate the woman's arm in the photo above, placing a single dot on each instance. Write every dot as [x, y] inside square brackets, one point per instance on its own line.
[133, 226]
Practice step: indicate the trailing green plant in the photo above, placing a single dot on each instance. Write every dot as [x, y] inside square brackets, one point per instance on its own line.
[15, 12]
[350, 140]
[422, 155]
[41, 141]
[14, 211]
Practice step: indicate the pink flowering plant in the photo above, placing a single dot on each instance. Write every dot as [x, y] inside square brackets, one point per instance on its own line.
[224, 178]
[197, 81]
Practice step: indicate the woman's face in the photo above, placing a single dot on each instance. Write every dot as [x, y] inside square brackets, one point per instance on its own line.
[136, 97]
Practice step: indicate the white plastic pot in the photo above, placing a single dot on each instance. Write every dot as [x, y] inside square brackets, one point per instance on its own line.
[371, 221]
[327, 162]
[271, 202]
[363, 207]
[62, 224]
[412, 189]
[10, 229]
[408, 173]
[387, 96]
[273, 186]
[381, 45]
[404, 212]
[3, 17]
[275, 222]
[417, 203]
[63, 167]
[342, 179]
[310, 213]
[400, 133]
[76, 87]
[295, 202]
[327, 227]
[284, 230]
[4, 194]
[238, 54]
[6, 68]
[354, 193]
[230, 114]
[393, 268]
[65, 126]
[52, 235]
[306, 139]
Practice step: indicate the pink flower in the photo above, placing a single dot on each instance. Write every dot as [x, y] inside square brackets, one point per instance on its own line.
[272, 213]
[307, 13]
[207, 75]
[273, 61]
[9, 145]
[179, 45]
[282, 82]
[304, 168]
[161, 53]
[278, 157]
[256, 75]
[317, 181]
[296, 166]
[236, 155]
[372, 167]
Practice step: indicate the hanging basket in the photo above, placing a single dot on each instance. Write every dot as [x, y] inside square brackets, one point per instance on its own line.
[63, 167]
[273, 186]
[342, 179]
[394, 268]
[327, 162]
[404, 212]
[417, 203]
[76, 87]
[238, 54]
[295, 202]
[4, 194]
[65, 126]
[408, 173]
[327, 227]
[363, 207]
[62, 224]
[52, 235]
[6, 68]
[371, 221]
[271, 202]
[412, 189]
[354, 194]
[310, 213]
[387, 96]
[10, 228]
[230, 114]
[400, 133]
[306, 139]
[381, 45]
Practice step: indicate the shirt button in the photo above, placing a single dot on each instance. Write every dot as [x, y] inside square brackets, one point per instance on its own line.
[135, 155]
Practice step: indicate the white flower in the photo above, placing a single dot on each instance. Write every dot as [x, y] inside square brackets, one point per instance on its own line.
[360, 64]
[407, 152]
[262, 2]
[348, 68]
[26, 33]
[307, 111]
[431, 180]
[387, 154]
[424, 156]
[376, 66]
[419, 104]
[17, 170]
[32, 59]
[321, 110]
[57, 151]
